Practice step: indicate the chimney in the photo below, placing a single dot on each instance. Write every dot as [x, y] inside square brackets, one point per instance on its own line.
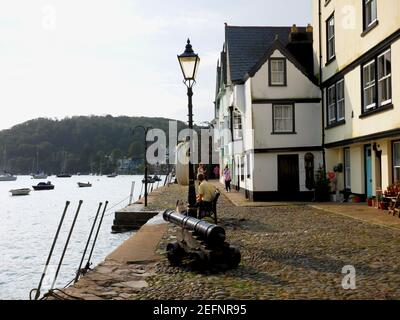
[294, 29]
[309, 28]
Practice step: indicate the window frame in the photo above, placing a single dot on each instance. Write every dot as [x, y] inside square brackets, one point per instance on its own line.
[248, 165]
[329, 58]
[237, 125]
[284, 84]
[274, 131]
[368, 25]
[386, 77]
[347, 175]
[343, 99]
[377, 105]
[374, 76]
[393, 160]
[337, 120]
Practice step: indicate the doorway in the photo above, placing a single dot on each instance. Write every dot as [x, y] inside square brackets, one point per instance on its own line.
[288, 175]
[368, 170]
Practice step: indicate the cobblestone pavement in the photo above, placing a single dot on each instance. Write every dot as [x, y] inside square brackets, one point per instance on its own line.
[292, 252]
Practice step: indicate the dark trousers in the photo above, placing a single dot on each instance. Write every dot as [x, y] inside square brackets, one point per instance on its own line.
[228, 185]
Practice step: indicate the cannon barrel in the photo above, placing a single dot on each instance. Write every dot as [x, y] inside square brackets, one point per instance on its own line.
[210, 233]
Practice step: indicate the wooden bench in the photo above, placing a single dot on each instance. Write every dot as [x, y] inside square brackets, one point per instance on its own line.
[210, 210]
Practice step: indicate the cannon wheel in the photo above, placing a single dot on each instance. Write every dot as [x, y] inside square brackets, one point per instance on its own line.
[234, 257]
[175, 253]
[199, 260]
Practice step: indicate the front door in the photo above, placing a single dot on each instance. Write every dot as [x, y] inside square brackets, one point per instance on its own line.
[288, 175]
[368, 170]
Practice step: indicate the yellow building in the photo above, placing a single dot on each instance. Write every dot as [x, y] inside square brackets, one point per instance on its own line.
[357, 53]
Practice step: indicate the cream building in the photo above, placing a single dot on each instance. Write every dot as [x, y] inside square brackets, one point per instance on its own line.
[357, 48]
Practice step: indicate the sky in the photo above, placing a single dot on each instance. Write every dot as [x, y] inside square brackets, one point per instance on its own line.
[63, 58]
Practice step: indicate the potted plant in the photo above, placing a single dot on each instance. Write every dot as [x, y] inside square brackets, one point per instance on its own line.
[374, 201]
[384, 205]
[369, 201]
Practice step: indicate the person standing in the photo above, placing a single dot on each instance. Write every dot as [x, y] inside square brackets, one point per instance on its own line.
[216, 172]
[201, 170]
[227, 178]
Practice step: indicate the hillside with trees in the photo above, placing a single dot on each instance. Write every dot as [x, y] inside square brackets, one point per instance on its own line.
[80, 144]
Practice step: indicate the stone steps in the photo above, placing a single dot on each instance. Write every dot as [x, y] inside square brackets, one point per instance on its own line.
[131, 218]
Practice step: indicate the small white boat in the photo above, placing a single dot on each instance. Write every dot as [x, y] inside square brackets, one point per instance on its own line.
[7, 177]
[112, 175]
[40, 175]
[20, 192]
[84, 185]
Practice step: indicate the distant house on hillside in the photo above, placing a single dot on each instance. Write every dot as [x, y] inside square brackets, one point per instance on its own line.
[268, 99]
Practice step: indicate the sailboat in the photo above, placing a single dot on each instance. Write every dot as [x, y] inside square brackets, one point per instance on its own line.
[38, 175]
[63, 174]
[6, 176]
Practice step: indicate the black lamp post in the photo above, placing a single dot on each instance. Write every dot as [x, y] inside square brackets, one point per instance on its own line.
[146, 130]
[189, 62]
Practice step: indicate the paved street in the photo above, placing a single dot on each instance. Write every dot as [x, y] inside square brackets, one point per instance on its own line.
[293, 252]
[288, 252]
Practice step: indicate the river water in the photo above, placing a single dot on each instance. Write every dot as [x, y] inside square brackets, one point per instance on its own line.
[28, 225]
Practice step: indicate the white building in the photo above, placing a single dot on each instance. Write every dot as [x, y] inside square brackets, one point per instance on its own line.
[357, 47]
[269, 104]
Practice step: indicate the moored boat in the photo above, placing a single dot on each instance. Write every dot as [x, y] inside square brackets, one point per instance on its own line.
[84, 185]
[43, 186]
[149, 180]
[112, 175]
[7, 177]
[39, 176]
[64, 175]
[157, 178]
[20, 192]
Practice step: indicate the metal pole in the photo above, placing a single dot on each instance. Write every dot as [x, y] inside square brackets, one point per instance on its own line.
[87, 267]
[78, 272]
[37, 295]
[145, 169]
[192, 190]
[66, 244]
[141, 191]
[132, 190]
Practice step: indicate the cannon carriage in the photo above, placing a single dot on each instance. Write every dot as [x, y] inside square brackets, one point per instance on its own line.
[201, 241]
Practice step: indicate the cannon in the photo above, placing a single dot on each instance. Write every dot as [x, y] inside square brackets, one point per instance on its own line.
[202, 242]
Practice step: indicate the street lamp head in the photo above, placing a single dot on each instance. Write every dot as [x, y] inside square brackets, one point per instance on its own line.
[189, 62]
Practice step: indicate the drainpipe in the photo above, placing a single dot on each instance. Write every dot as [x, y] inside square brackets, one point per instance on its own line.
[320, 85]
[233, 141]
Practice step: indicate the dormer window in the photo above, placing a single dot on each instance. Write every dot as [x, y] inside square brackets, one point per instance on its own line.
[277, 72]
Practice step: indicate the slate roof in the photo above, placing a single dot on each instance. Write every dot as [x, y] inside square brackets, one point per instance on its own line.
[246, 46]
